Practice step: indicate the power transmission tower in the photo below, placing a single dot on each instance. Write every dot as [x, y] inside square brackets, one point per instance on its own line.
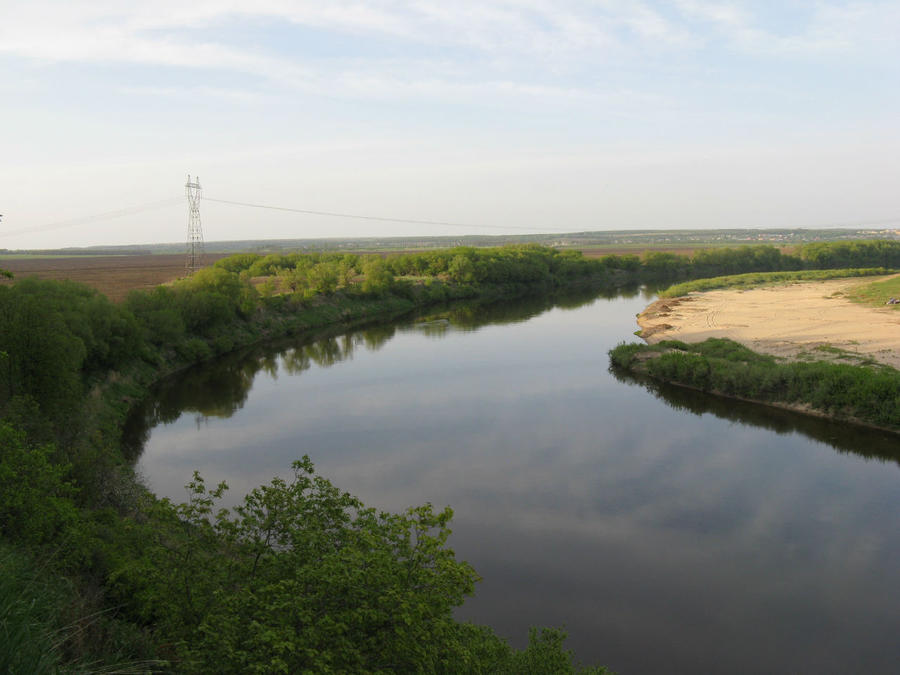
[195, 232]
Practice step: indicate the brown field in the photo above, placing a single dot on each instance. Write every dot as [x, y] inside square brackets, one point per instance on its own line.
[114, 276]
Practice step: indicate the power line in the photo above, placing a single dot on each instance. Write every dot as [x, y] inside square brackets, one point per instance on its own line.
[119, 213]
[106, 215]
[381, 218]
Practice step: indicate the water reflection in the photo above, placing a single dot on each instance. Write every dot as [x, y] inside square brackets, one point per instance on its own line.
[841, 436]
[220, 389]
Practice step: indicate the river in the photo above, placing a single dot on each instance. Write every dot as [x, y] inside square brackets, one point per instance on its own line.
[668, 531]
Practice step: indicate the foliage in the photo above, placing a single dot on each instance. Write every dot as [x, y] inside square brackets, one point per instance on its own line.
[717, 262]
[56, 337]
[43, 359]
[212, 297]
[27, 617]
[365, 591]
[47, 626]
[462, 265]
[304, 578]
[870, 394]
[157, 315]
[35, 498]
[714, 262]
[726, 261]
[379, 278]
[665, 265]
[623, 355]
[315, 273]
[545, 654]
[238, 262]
[871, 253]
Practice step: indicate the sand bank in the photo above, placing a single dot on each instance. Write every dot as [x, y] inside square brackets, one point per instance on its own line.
[784, 321]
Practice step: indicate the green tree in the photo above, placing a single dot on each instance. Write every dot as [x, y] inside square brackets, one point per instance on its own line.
[461, 269]
[302, 577]
[238, 262]
[378, 276]
[43, 357]
[35, 498]
[665, 265]
[324, 277]
[157, 315]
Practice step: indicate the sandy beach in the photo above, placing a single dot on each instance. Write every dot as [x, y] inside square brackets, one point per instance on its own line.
[785, 321]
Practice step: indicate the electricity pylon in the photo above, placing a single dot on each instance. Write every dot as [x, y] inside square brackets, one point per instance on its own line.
[195, 232]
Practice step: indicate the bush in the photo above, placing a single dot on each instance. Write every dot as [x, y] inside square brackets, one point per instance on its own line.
[194, 350]
[35, 498]
[303, 578]
[28, 609]
[869, 394]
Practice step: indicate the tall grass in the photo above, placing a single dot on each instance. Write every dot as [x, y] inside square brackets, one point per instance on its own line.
[28, 608]
[46, 626]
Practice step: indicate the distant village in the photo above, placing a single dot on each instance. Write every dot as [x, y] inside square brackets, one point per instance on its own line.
[625, 239]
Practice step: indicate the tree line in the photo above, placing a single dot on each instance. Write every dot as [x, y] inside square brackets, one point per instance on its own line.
[716, 262]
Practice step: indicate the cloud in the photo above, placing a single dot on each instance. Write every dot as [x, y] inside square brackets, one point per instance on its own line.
[865, 30]
[186, 37]
[146, 32]
[468, 50]
[226, 94]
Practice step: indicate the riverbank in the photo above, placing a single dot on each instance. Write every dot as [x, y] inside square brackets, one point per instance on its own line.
[862, 394]
[796, 321]
[277, 320]
[281, 317]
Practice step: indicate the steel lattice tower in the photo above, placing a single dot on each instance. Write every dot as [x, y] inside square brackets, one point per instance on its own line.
[195, 232]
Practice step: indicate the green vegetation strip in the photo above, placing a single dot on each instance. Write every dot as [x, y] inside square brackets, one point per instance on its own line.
[878, 293]
[865, 394]
[755, 279]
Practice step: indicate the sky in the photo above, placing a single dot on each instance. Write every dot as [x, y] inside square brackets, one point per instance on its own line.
[497, 116]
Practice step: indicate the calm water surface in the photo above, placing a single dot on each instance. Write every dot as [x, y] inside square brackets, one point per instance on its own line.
[668, 531]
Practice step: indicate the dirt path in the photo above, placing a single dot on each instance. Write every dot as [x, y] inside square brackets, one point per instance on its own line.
[780, 320]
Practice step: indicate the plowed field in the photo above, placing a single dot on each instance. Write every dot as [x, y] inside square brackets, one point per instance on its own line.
[114, 276]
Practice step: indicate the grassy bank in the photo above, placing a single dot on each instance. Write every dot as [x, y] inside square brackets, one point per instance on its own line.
[756, 279]
[863, 394]
[876, 294]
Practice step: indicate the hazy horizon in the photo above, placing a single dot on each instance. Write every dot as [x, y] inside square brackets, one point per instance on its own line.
[509, 116]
